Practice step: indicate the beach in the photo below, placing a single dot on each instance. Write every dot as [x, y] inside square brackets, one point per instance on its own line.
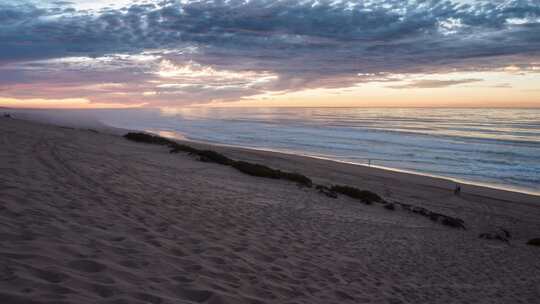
[90, 217]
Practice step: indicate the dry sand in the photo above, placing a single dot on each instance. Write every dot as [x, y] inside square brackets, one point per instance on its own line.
[88, 217]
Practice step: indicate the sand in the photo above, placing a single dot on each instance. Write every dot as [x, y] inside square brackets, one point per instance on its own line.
[88, 217]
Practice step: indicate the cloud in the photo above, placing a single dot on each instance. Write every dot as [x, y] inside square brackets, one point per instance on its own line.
[301, 44]
[502, 86]
[434, 83]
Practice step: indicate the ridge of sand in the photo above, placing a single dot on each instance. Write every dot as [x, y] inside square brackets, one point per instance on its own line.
[89, 217]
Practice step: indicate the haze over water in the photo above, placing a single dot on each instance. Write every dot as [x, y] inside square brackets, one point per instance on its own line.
[499, 147]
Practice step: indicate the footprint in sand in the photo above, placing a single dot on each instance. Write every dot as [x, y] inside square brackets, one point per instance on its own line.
[196, 295]
[182, 279]
[178, 252]
[89, 266]
[7, 273]
[193, 268]
[134, 264]
[148, 298]
[117, 239]
[50, 276]
[343, 295]
[103, 290]
[217, 260]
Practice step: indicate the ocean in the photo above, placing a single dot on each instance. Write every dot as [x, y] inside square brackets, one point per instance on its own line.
[494, 147]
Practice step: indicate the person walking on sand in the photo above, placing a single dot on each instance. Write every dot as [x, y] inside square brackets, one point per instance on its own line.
[457, 189]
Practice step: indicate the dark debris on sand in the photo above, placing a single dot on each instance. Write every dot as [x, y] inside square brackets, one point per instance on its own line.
[259, 170]
[218, 158]
[499, 234]
[534, 242]
[365, 196]
[446, 220]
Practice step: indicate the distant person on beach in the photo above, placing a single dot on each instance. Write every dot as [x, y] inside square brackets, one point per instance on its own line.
[457, 189]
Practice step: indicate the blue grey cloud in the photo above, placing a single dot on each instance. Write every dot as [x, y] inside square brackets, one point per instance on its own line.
[305, 43]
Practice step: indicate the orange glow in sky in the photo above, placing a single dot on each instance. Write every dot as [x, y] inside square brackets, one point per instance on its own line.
[480, 89]
[68, 103]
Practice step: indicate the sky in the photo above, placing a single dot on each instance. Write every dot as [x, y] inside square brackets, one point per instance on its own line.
[176, 53]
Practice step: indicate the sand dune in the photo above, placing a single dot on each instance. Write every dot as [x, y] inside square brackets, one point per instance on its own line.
[89, 217]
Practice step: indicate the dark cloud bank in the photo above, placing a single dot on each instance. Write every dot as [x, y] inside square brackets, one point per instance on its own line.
[305, 43]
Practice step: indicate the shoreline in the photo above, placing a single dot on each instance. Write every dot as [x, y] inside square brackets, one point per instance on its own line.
[180, 137]
[92, 122]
